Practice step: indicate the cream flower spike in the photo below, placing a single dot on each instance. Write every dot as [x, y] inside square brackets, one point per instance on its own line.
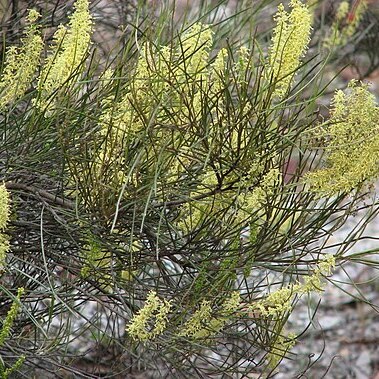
[68, 52]
[21, 63]
[289, 44]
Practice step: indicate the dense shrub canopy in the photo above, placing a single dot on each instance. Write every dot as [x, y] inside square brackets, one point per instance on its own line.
[172, 201]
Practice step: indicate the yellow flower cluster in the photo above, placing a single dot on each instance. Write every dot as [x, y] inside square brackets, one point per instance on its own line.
[345, 24]
[202, 325]
[150, 83]
[289, 44]
[352, 153]
[21, 63]
[151, 320]
[280, 301]
[208, 320]
[242, 66]
[4, 207]
[67, 54]
[195, 46]
[184, 66]
[121, 120]
[4, 218]
[314, 282]
[197, 325]
[217, 71]
[276, 303]
[342, 11]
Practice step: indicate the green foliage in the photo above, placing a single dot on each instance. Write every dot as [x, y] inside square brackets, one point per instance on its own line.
[154, 185]
[5, 332]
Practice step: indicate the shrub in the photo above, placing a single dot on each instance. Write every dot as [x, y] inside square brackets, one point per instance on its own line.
[154, 213]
